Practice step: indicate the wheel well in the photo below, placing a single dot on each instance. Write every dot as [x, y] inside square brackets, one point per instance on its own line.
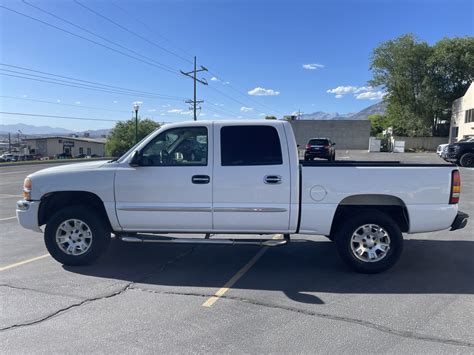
[52, 202]
[390, 205]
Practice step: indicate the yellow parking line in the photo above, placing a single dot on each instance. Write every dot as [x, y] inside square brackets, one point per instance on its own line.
[222, 291]
[11, 266]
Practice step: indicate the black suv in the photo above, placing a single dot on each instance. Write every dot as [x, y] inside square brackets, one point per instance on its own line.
[320, 148]
[461, 153]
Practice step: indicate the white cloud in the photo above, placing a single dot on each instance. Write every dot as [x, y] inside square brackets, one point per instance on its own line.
[371, 95]
[216, 115]
[162, 114]
[175, 110]
[239, 117]
[25, 95]
[166, 105]
[152, 110]
[137, 102]
[258, 91]
[77, 102]
[246, 109]
[219, 104]
[225, 83]
[214, 79]
[262, 114]
[58, 101]
[360, 92]
[341, 90]
[186, 113]
[115, 102]
[313, 66]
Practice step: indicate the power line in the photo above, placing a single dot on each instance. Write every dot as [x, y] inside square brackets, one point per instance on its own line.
[75, 83]
[194, 72]
[135, 19]
[92, 82]
[87, 88]
[232, 98]
[161, 66]
[96, 35]
[130, 31]
[54, 116]
[61, 104]
[245, 95]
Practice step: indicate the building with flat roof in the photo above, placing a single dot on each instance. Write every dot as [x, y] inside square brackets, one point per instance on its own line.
[74, 146]
[462, 119]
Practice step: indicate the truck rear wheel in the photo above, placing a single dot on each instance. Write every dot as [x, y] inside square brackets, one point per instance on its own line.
[369, 242]
[76, 236]
[467, 160]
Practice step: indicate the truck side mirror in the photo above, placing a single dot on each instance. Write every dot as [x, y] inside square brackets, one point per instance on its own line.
[334, 143]
[135, 161]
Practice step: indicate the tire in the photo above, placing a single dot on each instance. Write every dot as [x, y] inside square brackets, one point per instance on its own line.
[467, 160]
[76, 235]
[365, 251]
[334, 156]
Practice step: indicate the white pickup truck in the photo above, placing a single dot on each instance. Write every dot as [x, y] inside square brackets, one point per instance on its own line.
[237, 177]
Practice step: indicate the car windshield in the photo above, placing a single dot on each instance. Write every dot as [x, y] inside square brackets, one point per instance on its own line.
[318, 142]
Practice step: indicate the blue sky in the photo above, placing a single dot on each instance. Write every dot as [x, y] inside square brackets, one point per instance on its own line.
[271, 57]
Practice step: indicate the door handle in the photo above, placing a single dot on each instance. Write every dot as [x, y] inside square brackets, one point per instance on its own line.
[200, 179]
[272, 179]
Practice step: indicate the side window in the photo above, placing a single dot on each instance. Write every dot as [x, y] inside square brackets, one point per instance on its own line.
[250, 145]
[185, 146]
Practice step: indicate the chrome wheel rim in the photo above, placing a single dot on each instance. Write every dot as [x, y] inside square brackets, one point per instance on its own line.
[74, 237]
[370, 243]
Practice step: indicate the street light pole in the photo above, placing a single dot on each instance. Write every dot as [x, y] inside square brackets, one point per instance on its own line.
[136, 107]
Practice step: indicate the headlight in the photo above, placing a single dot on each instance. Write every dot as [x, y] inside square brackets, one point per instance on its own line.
[27, 186]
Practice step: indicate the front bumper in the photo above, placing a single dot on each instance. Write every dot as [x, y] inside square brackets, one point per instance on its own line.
[27, 214]
[460, 221]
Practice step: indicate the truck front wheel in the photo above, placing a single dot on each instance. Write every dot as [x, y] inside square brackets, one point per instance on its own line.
[75, 235]
[369, 242]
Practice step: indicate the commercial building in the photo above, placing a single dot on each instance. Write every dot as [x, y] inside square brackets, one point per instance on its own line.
[74, 146]
[462, 119]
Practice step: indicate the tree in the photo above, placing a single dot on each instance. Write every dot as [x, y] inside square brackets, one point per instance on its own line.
[270, 118]
[422, 81]
[378, 124]
[122, 137]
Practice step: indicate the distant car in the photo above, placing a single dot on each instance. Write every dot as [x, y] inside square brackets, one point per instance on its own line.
[81, 156]
[6, 157]
[320, 148]
[440, 149]
[63, 156]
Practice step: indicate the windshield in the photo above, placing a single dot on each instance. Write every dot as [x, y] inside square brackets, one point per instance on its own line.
[318, 142]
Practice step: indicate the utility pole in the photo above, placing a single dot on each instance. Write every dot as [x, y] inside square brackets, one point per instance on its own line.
[193, 75]
[299, 114]
[9, 143]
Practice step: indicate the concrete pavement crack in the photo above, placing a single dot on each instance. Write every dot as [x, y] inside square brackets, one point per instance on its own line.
[40, 291]
[381, 328]
[98, 298]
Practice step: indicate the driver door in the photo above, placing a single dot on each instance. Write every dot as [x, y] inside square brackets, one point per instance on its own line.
[171, 189]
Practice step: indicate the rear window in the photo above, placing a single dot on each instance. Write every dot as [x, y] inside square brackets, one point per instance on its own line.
[318, 142]
[250, 145]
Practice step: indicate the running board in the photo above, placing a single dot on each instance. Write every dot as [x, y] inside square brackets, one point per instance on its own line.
[260, 242]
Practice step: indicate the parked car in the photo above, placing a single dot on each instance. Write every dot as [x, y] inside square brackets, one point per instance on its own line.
[461, 153]
[81, 156]
[245, 179]
[63, 156]
[6, 157]
[320, 148]
[441, 148]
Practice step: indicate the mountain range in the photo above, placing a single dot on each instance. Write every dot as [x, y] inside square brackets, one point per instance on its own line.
[378, 108]
[26, 129]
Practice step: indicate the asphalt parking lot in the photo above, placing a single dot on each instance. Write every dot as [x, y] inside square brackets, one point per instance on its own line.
[299, 298]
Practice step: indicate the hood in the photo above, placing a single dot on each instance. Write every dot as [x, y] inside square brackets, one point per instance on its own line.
[66, 168]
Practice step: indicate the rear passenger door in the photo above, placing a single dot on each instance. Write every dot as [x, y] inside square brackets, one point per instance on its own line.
[251, 189]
